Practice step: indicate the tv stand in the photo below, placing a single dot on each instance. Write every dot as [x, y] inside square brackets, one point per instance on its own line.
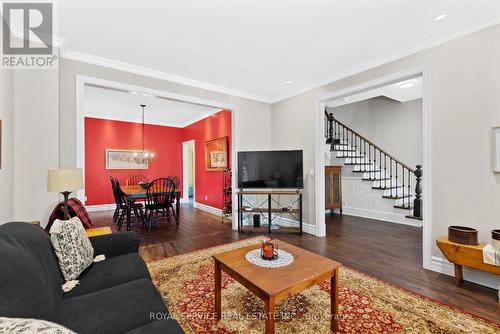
[270, 211]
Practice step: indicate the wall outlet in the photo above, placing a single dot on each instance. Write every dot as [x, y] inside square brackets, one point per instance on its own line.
[206, 198]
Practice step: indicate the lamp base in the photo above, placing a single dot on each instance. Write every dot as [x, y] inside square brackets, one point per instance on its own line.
[66, 196]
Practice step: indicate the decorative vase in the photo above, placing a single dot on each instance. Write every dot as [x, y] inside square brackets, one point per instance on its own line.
[268, 250]
[462, 235]
[495, 239]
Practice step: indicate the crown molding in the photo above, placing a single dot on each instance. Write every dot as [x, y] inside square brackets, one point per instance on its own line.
[461, 32]
[111, 118]
[160, 123]
[197, 119]
[126, 67]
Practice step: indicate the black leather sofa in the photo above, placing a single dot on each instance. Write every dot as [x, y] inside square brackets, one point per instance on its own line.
[114, 296]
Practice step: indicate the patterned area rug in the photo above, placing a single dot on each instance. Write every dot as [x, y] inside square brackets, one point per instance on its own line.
[367, 305]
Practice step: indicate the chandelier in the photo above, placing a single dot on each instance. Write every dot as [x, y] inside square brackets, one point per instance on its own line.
[144, 156]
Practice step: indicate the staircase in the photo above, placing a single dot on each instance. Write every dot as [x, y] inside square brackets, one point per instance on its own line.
[395, 180]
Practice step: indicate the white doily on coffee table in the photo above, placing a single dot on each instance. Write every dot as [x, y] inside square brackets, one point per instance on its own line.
[284, 259]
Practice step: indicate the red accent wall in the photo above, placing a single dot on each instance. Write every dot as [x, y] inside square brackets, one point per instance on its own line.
[165, 142]
[208, 185]
[101, 134]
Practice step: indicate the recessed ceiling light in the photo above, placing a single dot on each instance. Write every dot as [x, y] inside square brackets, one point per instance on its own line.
[147, 95]
[346, 98]
[288, 81]
[406, 84]
[135, 93]
[440, 17]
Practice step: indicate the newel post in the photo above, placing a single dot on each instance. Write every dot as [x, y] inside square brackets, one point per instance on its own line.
[329, 132]
[417, 202]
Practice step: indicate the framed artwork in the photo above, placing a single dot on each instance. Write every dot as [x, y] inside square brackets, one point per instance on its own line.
[216, 154]
[124, 159]
[496, 149]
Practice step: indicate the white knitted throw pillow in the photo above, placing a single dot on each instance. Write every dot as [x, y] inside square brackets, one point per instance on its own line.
[31, 326]
[72, 247]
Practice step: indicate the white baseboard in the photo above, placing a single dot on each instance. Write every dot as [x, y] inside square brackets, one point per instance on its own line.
[306, 228]
[380, 215]
[208, 208]
[442, 265]
[100, 207]
[309, 228]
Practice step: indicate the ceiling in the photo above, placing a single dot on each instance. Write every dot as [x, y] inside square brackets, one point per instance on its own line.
[107, 103]
[403, 91]
[252, 48]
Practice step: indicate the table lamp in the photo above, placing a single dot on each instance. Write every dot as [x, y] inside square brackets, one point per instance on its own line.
[65, 181]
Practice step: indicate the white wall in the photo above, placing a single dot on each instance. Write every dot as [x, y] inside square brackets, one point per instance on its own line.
[36, 142]
[254, 125]
[292, 127]
[464, 104]
[394, 126]
[7, 146]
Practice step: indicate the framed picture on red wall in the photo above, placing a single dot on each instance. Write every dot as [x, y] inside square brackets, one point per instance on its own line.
[125, 159]
[216, 154]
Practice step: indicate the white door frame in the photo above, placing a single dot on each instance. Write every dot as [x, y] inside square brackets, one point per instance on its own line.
[185, 159]
[427, 175]
[82, 80]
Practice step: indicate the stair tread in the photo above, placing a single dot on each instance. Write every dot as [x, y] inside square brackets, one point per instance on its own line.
[358, 163]
[403, 207]
[374, 180]
[350, 157]
[396, 197]
[413, 217]
[366, 171]
[386, 188]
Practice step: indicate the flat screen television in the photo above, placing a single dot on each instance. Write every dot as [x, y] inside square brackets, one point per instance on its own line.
[270, 169]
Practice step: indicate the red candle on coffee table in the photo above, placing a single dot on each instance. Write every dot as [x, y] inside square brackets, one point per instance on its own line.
[268, 250]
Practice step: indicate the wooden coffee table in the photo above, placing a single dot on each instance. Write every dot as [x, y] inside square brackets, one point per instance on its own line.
[272, 285]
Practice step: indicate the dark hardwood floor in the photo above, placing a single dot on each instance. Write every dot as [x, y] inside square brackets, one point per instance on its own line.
[390, 252]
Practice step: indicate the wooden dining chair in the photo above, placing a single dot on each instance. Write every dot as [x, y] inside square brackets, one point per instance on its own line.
[118, 203]
[123, 205]
[159, 199]
[172, 186]
[175, 180]
[134, 180]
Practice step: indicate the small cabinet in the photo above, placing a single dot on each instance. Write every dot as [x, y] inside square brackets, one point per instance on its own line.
[333, 188]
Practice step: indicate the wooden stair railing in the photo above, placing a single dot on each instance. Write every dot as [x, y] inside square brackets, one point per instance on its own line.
[390, 174]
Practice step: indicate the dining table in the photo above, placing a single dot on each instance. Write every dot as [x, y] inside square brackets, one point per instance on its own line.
[137, 192]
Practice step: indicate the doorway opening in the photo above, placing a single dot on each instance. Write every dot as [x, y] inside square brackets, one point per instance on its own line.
[402, 81]
[208, 120]
[374, 149]
[188, 175]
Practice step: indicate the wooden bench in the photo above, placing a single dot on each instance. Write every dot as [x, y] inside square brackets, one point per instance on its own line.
[465, 255]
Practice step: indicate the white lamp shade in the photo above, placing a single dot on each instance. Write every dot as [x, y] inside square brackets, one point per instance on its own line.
[61, 180]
